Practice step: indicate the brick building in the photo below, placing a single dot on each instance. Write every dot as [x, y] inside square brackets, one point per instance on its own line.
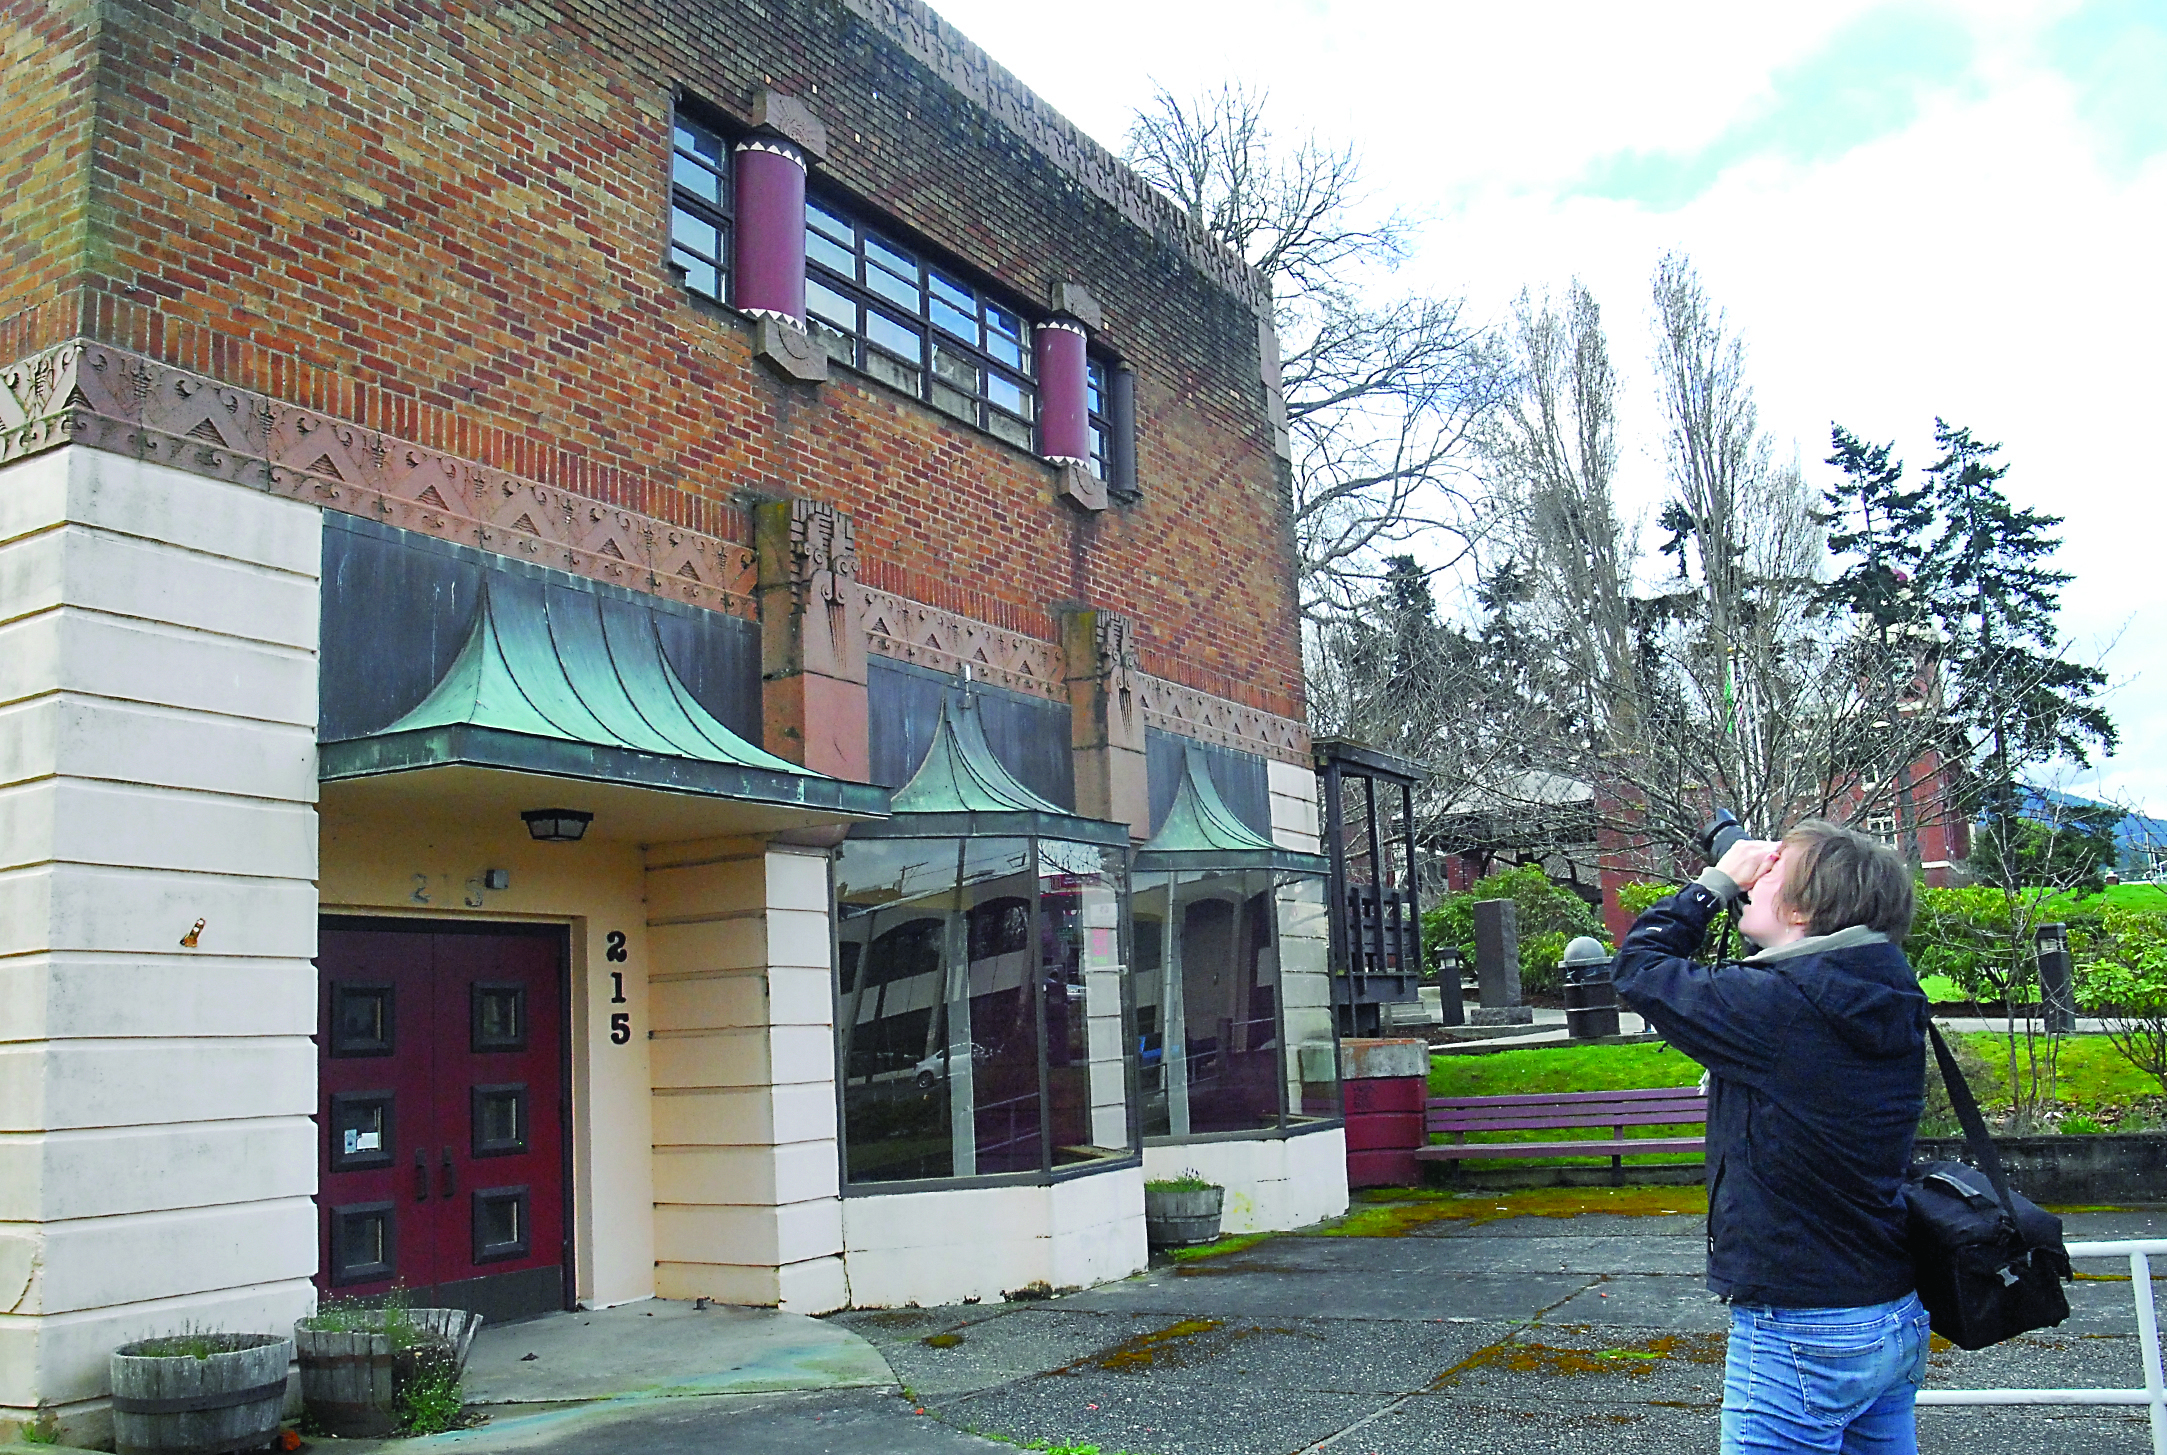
[643, 651]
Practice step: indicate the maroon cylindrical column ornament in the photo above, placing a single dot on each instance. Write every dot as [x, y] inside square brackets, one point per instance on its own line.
[771, 229]
[1064, 420]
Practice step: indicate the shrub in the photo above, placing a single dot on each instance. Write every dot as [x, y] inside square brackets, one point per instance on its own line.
[1548, 915]
[2123, 978]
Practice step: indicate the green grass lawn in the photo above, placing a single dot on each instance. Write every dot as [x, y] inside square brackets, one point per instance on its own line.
[1561, 1068]
[2090, 1073]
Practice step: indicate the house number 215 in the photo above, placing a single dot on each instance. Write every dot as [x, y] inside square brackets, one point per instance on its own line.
[620, 1022]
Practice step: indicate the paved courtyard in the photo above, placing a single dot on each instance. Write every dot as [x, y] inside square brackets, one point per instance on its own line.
[1587, 1332]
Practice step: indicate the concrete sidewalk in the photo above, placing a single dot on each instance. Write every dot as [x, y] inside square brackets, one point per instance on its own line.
[1433, 1331]
[1586, 1333]
[560, 1379]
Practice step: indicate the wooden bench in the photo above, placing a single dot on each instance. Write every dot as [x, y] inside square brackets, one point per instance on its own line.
[1458, 1116]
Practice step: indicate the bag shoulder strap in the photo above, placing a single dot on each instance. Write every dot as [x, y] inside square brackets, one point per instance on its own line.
[1976, 1140]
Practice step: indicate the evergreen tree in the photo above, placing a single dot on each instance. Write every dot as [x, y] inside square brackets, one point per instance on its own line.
[1881, 525]
[2019, 702]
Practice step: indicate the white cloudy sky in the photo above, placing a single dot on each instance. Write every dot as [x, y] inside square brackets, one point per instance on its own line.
[1909, 209]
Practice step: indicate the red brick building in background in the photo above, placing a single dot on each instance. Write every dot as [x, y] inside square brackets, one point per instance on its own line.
[528, 533]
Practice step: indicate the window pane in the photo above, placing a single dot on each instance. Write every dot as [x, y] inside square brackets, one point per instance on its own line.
[840, 344]
[831, 255]
[1312, 1062]
[1017, 432]
[1006, 350]
[695, 178]
[1210, 1056]
[696, 233]
[892, 258]
[956, 368]
[1004, 337]
[824, 302]
[903, 291]
[892, 371]
[956, 293]
[935, 1038]
[893, 336]
[820, 219]
[698, 140]
[957, 322]
[1010, 396]
[950, 400]
[1095, 386]
[700, 276]
[1079, 938]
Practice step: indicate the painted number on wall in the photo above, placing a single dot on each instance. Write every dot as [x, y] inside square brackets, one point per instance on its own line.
[620, 1022]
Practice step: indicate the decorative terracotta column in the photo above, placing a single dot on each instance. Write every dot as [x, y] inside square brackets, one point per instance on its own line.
[812, 637]
[771, 228]
[1064, 422]
[769, 281]
[1106, 723]
[1064, 393]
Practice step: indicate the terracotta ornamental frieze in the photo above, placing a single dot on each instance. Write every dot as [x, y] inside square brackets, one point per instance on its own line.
[110, 399]
[926, 636]
[946, 641]
[118, 401]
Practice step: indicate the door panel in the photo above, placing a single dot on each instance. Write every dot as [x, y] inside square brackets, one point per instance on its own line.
[442, 1125]
[500, 1012]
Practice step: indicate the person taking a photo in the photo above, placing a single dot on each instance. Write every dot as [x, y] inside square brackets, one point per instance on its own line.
[1815, 1051]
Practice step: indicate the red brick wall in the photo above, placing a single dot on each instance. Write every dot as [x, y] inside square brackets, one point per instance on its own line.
[448, 222]
[47, 71]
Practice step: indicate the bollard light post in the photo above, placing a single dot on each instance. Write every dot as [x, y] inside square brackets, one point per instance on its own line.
[2057, 987]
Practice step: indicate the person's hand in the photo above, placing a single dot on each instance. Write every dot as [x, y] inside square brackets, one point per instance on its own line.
[1748, 859]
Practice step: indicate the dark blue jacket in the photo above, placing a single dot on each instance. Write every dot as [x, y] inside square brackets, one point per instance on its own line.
[1817, 1069]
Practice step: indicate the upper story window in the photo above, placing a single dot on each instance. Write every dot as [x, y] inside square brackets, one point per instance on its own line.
[1098, 401]
[700, 208]
[883, 309]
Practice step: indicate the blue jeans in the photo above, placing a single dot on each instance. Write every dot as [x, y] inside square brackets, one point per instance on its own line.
[1824, 1379]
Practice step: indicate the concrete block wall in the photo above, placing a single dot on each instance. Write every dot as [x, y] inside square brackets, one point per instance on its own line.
[1296, 819]
[157, 767]
[984, 1243]
[1272, 1183]
[747, 1181]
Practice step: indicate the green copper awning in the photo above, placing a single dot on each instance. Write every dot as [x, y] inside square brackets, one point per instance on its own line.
[1201, 834]
[567, 683]
[961, 790]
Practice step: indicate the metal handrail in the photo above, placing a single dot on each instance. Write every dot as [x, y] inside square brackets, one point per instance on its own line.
[2140, 1252]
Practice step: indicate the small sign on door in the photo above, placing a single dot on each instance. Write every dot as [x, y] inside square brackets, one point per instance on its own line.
[360, 1141]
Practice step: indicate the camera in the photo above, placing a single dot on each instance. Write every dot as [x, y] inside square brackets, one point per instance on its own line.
[1722, 831]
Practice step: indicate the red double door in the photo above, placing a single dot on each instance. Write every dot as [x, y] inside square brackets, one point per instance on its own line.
[443, 1115]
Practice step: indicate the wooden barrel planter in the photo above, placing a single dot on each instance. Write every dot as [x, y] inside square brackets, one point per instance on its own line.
[351, 1377]
[1175, 1218]
[199, 1394]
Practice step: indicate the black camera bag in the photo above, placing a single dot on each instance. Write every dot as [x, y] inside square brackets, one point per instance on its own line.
[1990, 1265]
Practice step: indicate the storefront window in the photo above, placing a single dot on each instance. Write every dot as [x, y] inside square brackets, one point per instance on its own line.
[1079, 918]
[1305, 979]
[1234, 1023]
[968, 1045]
[1234, 1019]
